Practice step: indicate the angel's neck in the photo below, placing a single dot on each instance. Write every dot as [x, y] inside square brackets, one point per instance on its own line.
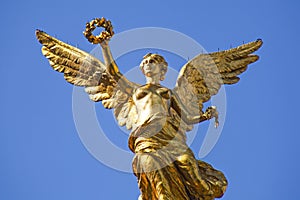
[154, 79]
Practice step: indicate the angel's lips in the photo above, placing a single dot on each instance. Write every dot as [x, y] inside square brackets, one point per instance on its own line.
[148, 70]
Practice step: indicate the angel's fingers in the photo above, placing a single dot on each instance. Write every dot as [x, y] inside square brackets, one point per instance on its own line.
[216, 123]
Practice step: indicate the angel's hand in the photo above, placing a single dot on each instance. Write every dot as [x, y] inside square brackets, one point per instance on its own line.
[104, 36]
[211, 112]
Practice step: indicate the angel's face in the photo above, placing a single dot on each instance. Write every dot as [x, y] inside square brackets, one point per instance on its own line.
[154, 67]
[150, 67]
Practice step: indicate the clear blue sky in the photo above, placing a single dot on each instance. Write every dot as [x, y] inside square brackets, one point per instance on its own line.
[41, 154]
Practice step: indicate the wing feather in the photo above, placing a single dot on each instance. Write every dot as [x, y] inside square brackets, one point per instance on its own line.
[203, 76]
[82, 69]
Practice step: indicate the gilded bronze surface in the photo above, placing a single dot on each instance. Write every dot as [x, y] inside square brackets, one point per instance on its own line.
[158, 117]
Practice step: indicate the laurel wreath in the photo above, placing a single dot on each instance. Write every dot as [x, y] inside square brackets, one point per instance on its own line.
[104, 35]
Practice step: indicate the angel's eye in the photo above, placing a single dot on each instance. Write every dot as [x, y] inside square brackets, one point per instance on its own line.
[151, 61]
[146, 62]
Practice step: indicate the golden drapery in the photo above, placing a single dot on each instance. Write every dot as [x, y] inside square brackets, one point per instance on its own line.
[165, 166]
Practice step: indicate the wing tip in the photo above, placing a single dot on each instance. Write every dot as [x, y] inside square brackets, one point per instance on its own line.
[259, 41]
[38, 32]
[40, 35]
[230, 81]
[253, 58]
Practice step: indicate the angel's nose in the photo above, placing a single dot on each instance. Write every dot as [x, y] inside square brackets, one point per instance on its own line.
[148, 66]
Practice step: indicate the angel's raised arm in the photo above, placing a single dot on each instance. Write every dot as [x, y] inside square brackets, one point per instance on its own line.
[103, 39]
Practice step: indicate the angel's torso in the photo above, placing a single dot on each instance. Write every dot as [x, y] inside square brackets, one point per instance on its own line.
[151, 101]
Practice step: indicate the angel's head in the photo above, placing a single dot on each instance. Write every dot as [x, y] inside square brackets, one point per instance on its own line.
[154, 64]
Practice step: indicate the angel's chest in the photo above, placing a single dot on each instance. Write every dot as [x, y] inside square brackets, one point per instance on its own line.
[151, 95]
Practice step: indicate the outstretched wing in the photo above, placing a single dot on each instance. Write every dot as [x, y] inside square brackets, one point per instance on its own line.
[82, 69]
[203, 76]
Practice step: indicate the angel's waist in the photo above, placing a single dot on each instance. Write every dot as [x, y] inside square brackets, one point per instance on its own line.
[146, 115]
[155, 134]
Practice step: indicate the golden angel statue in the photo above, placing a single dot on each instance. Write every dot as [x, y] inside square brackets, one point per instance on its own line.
[158, 117]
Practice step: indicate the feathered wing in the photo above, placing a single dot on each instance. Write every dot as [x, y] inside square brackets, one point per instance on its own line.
[82, 69]
[203, 76]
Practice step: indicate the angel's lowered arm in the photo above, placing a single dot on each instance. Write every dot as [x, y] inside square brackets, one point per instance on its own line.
[211, 112]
